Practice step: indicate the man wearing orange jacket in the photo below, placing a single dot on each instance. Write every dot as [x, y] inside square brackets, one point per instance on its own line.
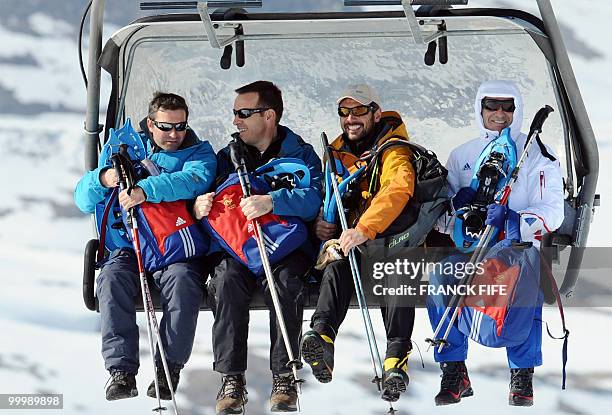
[381, 210]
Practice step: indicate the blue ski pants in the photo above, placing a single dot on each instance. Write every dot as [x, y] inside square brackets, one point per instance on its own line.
[181, 287]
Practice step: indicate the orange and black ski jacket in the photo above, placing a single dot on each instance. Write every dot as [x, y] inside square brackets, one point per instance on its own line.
[387, 189]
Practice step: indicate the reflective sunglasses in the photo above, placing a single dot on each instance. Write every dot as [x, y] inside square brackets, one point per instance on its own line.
[506, 105]
[355, 111]
[247, 112]
[168, 126]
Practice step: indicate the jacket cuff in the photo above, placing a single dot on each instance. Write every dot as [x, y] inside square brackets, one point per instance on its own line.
[97, 185]
[367, 232]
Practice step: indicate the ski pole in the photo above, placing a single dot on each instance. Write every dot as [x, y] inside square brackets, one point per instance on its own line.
[120, 163]
[363, 307]
[487, 234]
[238, 160]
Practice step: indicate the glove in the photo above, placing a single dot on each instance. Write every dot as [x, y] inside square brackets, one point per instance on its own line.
[464, 197]
[496, 215]
[330, 252]
[513, 226]
[501, 217]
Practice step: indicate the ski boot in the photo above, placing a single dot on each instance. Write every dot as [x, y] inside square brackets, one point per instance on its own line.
[455, 383]
[318, 352]
[521, 387]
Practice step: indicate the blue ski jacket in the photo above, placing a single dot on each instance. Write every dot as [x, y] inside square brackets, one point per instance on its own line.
[185, 174]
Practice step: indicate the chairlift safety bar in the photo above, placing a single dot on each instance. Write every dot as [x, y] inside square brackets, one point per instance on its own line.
[193, 5]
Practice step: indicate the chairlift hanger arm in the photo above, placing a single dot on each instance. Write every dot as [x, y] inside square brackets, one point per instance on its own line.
[203, 10]
[413, 24]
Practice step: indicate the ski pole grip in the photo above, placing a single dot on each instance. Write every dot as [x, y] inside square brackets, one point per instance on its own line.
[120, 176]
[238, 160]
[237, 154]
[540, 117]
[328, 154]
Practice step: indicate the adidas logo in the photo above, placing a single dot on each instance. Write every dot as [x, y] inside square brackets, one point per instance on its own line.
[180, 221]
[467, 166]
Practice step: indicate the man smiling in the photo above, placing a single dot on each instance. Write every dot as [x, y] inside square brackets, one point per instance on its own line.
[535, 207]
[383, 211]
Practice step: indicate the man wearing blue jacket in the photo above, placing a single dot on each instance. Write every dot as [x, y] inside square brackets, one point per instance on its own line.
[257, 111]
[187, 167]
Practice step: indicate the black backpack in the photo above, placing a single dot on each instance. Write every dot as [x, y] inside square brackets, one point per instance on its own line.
[429, 201]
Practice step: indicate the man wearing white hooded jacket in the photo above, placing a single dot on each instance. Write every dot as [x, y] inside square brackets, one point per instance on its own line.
[535, 207]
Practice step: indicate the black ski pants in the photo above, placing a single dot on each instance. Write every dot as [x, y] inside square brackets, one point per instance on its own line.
[337, 288]
[231, 288]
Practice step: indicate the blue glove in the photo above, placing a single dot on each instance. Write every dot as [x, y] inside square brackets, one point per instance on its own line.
[464, 197]
[501, 217]
[496, 215]
[513, 226]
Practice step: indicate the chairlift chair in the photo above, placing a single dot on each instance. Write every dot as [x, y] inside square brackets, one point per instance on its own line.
[426, 62]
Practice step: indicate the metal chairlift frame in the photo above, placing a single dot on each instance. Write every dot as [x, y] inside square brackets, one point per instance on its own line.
[581, 147]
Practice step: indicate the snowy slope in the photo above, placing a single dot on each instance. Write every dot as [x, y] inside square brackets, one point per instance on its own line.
[51, 343]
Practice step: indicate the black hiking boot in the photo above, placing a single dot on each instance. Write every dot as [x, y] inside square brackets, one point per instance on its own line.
[284, 394]
[455, 383]
[395, 378]
[231, 398]
[122, 386]
[521, 387]
[164, 388]
[318, 351]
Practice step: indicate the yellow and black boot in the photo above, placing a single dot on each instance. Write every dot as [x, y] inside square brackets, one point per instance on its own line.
[318, 351]
[395, 377]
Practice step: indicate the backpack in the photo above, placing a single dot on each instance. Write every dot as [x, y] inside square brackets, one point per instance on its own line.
[227, 225]
[429, 201]
[497, 319]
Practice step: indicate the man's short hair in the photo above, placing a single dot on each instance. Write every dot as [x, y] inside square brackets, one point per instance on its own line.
[269, 96]
[167, 101]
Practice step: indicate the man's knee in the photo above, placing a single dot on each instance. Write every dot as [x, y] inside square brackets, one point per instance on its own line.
[231, 281]
[337, 273]
[113, 277]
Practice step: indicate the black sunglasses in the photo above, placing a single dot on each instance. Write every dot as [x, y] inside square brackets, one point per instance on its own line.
[355, 111]
[247, 112]
[168, 126]
[506, 105]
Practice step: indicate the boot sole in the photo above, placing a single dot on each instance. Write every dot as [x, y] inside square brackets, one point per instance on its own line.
[313, 354]
[231, 411]
[133, 394]
[515, 400]
[281, 407]
[162, 396]
[393, 386]
[395, 383]
[465, 394]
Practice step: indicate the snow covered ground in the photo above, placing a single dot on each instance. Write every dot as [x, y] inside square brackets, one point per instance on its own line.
[49, 342]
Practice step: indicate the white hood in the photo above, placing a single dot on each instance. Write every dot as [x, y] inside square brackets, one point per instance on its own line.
[499, 89]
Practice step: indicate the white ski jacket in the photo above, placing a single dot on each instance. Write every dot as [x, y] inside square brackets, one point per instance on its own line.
[537, 194]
